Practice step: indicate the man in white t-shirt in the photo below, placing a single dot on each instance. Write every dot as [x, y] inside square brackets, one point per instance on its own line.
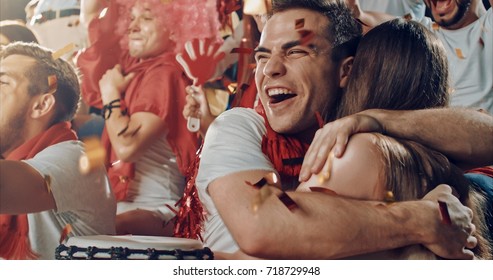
[43, 195]
[466, 32]
[296, 80]
[468, 38]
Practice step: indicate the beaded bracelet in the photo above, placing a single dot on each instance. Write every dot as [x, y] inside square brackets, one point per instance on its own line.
[108, 108]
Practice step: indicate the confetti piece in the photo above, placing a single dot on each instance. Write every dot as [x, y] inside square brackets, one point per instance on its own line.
[459, 53]
[324, 175]
[270, 179]
[481, 42]
[389, 197]
[408, 16]
[65, 232]
[435, 26]
[56, 55]
[299, 23]
[323, 190]
[306, 36]
[242, 50]
[444, 213]
[123, 130]
[47, 179]
[93, 157]
[130, 131]
[123, 179]
[320, 120]
[232, 87]
[361, 22]
[262, 182]
[52, 84]
[287, 201]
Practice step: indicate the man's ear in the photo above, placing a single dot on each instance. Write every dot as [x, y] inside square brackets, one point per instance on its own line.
[43, 105]
[345, 70]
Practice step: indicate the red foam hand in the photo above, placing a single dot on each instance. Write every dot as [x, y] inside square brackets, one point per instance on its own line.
[200, 60]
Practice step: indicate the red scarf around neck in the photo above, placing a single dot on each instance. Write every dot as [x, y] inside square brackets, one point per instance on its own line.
[14, 229]
[285, 152]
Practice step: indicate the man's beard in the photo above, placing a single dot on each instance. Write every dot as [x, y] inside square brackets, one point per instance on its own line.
[11, 134]
[463, 6]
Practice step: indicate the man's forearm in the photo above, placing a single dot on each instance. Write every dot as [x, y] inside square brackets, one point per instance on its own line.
[340, 228]
[322, 227]
[463, 135]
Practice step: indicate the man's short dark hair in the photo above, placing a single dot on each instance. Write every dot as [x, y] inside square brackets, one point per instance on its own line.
[67, 94]
[343, 31]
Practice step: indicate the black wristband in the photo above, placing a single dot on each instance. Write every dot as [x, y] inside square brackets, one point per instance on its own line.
[108, 108]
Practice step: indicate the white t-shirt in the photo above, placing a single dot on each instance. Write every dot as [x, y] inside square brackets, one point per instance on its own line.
[157, 182]
[470, 58]
[232, 144]
[86, 202]
[416, 8]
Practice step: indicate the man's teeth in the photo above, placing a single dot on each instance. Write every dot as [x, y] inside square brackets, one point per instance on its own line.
[274, 92]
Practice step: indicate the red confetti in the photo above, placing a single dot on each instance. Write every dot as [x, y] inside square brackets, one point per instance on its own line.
[287, 201]
[435, 26]
[242, 50]
[65, 232]
[323, 190]
[481, 42]
[306, 36]
[320, 120]
[444, 213]
[262, 182]
[408, 17]
[299, 23]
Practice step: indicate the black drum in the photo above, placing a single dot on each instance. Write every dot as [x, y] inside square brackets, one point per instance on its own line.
[132, 247]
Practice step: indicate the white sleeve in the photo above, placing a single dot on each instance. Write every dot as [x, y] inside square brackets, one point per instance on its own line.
[233, 144]
[71, 190]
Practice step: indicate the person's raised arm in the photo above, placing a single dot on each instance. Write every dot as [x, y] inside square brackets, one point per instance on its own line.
[368, 19]
[23, 189]
[90, 9]
[324, 226]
